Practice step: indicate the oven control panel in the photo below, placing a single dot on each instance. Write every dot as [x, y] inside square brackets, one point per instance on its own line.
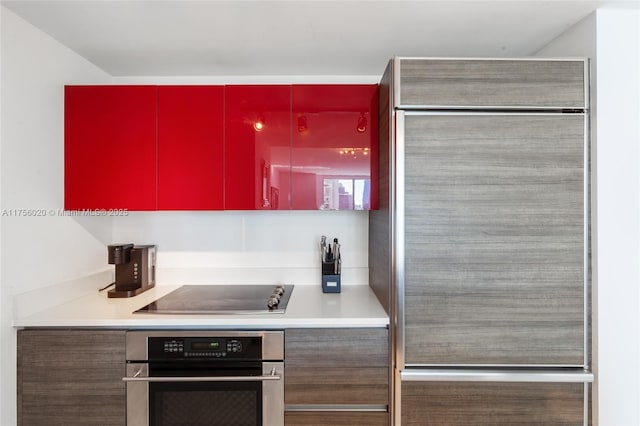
[171, 348]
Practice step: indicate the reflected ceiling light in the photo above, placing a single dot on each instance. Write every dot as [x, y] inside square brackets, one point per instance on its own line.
[353, 152]
[362, 123]
[258, 125]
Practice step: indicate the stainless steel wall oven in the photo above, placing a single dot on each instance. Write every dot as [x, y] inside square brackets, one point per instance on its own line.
[207, 378]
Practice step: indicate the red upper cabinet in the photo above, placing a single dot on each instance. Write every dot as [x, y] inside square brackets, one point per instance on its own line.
[257, 147]
[334, 147]
[110, 147]
[190, 147]
[249, 147]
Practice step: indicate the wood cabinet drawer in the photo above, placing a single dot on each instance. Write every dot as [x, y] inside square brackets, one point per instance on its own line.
[493, 83]
[362, 347]
[336, 419]
[337, 385]
[481, 403]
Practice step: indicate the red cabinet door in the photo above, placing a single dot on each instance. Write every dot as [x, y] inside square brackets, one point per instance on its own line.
[190, 147]
[334, 147]
[257, 147]
[110, 147]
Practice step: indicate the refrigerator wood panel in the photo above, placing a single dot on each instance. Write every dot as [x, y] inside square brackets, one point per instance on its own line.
[494, 239]
[380, 222]
[482, 403]
[491, 83]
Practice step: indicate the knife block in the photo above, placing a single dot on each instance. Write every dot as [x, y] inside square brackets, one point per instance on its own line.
[330, 280]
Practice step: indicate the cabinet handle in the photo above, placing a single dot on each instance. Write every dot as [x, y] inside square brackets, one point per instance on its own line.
[365, 408]
[532, 376]
[203, 379]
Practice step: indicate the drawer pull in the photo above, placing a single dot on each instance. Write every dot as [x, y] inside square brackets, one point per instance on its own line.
[337, 407]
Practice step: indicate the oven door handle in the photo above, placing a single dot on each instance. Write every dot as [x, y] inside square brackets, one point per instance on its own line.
[203, 379]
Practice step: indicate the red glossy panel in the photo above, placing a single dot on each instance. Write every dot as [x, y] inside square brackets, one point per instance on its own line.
[110, 146]
[334, 147]
[190, 147]
[257, 147]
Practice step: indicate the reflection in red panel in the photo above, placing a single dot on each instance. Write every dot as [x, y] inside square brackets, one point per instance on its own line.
[334, 147]
[190, 147]
[257, 147]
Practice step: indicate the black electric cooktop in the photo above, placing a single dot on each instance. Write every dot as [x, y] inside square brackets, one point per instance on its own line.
[222, 299]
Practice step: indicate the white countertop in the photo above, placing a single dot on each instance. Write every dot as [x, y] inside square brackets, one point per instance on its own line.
[355, 306]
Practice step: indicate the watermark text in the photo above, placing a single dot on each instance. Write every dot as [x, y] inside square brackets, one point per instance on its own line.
[62, 212]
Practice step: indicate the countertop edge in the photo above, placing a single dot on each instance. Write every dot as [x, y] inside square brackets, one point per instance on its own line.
[356, 307]
[230, 324]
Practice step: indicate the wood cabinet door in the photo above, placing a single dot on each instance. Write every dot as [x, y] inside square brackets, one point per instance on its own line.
[337, 367]
[110, 147]
[71, 377]
[495, 83]
[494, 239]
[190, 147]
[483, 403]
[334, 142]
[257, 149]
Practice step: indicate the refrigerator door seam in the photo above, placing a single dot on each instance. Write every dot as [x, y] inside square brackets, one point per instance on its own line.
[530, 376]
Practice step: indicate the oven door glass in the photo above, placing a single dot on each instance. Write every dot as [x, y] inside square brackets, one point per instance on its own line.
[205, 403]
[231, 398]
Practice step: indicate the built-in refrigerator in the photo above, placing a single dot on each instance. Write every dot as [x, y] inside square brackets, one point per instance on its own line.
[480, 248]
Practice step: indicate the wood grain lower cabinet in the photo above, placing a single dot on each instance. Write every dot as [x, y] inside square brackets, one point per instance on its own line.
[336, 376]
[71, 377]
[336, 419]
[482, 403]
[328, 385]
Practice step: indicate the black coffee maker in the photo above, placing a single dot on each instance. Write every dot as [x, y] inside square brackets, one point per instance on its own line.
[135, 268]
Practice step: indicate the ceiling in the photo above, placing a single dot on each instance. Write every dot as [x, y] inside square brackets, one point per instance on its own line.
[231, 38]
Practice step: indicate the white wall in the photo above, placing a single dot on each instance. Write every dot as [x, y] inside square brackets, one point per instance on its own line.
[618, 188]
[612, 36]
[248, 247]
[5, 314]
[37, 252]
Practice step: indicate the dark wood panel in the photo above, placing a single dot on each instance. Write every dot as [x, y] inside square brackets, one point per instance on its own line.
[494, 239]
[330, 347]
[336, 419]
[380, 220]
[486, 83]
[71, 377]
[481, 403]
[331, 385]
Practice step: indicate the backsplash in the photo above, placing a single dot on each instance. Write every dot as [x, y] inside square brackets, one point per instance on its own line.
[241, 247]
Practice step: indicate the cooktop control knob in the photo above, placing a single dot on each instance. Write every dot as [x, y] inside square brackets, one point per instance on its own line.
[273, 302]
[274, 299]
